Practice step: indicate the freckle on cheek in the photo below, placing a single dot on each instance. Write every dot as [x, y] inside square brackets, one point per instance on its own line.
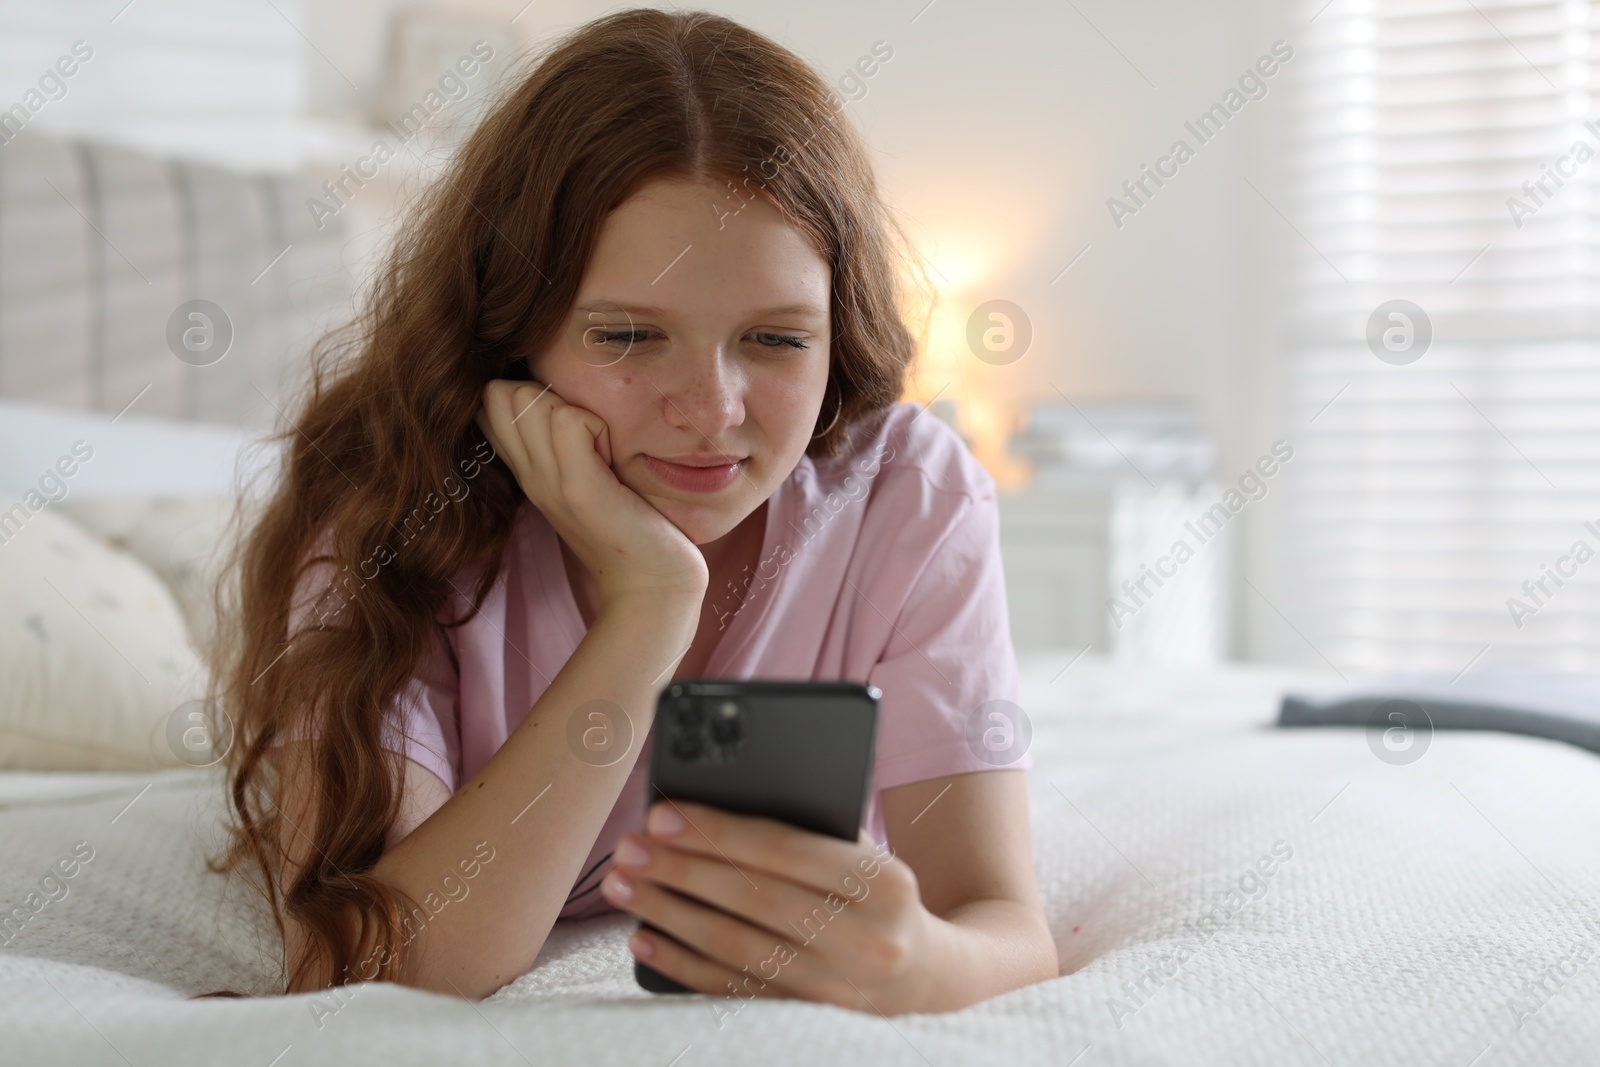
[627, 381]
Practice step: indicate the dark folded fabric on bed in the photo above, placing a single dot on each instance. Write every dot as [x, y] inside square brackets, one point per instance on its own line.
[1559, 705]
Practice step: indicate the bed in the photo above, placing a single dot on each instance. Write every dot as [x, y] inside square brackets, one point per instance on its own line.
[1419, 914]
[1219, 891]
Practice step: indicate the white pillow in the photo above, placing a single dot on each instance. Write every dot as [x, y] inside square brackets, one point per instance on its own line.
[97, 670]
[183, 539]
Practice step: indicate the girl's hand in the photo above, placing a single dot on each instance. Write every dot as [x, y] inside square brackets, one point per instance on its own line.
[561, 456]
[768, 909]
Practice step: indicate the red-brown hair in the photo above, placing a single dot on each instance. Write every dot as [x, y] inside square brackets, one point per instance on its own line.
[485, 273]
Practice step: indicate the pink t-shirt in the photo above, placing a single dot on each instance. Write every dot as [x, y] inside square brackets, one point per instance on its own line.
[881, 565]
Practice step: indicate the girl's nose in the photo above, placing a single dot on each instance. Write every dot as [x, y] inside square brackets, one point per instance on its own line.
[706, 395]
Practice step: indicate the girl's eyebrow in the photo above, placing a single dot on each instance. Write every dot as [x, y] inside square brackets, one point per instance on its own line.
[613, 307]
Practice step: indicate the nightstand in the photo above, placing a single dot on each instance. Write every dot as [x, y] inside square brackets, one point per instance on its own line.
[1068, 551]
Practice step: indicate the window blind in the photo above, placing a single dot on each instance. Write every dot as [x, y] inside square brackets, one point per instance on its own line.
[1441, 498]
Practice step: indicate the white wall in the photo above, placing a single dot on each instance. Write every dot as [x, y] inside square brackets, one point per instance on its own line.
[200, 78]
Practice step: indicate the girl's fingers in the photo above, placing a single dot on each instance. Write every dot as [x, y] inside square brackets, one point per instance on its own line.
[563, 466]
[693, 970]
[572, 438]
[508, 445]
[764, 900]
[487, 426]
[723, 940]
[528, 396]
[529, 425]
[513, 411]
[824, 863]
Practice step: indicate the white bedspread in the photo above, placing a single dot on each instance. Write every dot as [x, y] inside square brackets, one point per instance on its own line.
[1417, 914]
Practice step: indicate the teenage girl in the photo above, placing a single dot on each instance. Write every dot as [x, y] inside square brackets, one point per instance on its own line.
[623, 407]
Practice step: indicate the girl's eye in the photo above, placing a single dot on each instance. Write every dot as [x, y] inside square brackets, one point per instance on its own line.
[606, 337]
[782, 340]
[630, 338]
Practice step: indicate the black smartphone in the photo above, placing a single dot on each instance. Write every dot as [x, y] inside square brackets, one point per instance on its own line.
[800, 752]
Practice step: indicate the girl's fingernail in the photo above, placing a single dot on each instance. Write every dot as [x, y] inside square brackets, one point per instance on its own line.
[664, 821]
[641, 946]
[618, 886]
[632, 854]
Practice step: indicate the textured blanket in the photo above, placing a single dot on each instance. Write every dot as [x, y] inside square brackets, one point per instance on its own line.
[1220, 893]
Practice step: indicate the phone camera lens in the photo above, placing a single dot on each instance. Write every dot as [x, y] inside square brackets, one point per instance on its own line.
[688, 745]
[688, 731]
[727, 727]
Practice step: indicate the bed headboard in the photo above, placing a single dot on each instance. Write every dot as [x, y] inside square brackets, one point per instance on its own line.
[100, 244]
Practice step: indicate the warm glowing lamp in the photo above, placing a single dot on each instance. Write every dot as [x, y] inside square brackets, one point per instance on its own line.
[947, 369]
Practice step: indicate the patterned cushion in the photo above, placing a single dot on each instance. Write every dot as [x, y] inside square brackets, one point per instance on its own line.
[95, 654]
[181, 538]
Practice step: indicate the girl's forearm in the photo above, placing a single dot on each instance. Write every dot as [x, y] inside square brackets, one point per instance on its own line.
[537, 805]
[987, 947]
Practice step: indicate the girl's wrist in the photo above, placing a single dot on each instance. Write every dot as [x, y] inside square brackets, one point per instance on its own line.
[671, 617]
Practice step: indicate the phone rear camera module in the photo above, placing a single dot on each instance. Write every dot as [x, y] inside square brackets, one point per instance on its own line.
[706, 732]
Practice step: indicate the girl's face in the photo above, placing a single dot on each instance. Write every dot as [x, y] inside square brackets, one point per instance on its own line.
[696, 332]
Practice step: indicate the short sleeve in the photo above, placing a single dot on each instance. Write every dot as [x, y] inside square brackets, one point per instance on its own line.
[949, 656]
[317, 599]
[427, 709]
[424, 720]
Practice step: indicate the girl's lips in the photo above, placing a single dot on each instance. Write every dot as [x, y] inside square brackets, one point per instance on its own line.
[694, 479]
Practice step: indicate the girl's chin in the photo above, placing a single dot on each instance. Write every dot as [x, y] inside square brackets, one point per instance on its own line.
[701, 523]
[702, 528]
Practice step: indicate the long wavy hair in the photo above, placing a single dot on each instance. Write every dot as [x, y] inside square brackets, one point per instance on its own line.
[483, 274]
